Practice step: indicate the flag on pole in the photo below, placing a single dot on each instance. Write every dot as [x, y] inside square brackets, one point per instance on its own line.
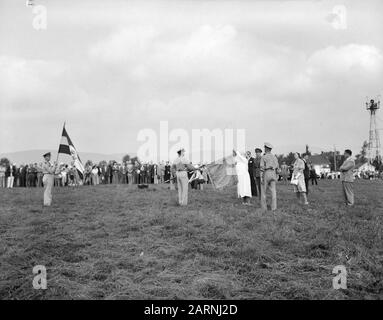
[222, 173]
[67, 147]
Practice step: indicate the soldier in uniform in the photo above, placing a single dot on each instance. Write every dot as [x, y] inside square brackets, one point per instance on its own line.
[181, 166]
[250, 160]
[269, 166]
[48, 178]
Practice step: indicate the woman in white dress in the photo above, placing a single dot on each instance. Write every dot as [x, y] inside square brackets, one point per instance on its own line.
[244, 185]
[298, 178]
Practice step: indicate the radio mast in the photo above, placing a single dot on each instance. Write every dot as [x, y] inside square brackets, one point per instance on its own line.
[373, 151]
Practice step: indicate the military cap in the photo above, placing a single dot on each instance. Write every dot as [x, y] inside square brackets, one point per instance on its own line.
[258, 150]
[268, 145]
[46, 154]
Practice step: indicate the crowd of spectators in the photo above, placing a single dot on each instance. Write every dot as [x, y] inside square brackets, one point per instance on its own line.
[112, 172]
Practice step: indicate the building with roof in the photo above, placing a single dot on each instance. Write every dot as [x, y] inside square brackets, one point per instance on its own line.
[320, 164]
[364, 167]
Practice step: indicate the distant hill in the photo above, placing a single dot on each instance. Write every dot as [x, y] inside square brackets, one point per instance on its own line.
[32, 156]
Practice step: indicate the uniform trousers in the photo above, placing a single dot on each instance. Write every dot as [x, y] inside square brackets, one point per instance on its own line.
[269, 183]
[48, 181]
[258, 185]
[182, 184]
[348, 192]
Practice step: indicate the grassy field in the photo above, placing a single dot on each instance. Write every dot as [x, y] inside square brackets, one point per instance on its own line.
[118, 242]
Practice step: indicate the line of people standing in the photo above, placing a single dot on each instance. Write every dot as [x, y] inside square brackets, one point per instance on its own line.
[29, 175]
[129, 172]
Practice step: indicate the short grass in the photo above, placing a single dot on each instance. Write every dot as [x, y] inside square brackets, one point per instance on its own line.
[119, 242]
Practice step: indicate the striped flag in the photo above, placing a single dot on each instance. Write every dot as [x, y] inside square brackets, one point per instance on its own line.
[67, 147]
[222, 173]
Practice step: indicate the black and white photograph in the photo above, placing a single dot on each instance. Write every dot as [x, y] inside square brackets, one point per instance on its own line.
[191, 154]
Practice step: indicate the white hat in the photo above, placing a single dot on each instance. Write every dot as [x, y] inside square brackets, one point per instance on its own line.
[268, 145]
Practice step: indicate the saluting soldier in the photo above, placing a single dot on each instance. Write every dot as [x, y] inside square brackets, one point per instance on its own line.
[48, 178]
[269, 166]
[181, 166]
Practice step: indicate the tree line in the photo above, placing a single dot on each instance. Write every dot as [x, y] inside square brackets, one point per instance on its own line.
[334, 157]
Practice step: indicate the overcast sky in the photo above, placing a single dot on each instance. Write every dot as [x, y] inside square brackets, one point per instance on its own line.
[281, 70]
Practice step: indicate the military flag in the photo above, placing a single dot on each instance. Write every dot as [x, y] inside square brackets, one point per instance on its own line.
[222, 173]
[67, 147]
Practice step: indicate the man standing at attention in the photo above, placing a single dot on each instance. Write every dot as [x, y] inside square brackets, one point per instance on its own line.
[269, 165]
[348, 178]
[181, 165]
[48, 178]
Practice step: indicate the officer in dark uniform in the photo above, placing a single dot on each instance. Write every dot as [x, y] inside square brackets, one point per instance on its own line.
[251, 164]
[257, 170]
